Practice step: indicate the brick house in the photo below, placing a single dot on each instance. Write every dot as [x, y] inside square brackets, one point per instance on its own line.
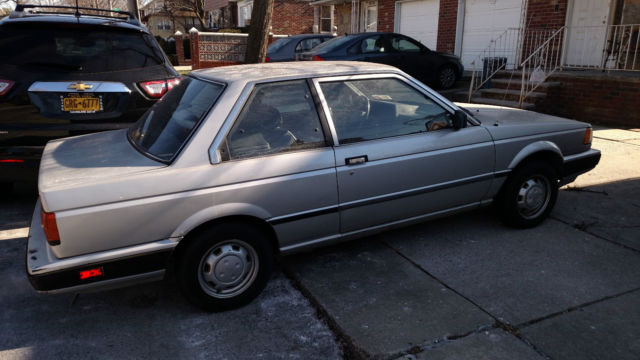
[289, 16]
[599, 39]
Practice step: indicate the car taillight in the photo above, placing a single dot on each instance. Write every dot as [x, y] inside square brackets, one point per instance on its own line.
[171, 83]
[50, 227]
[5, 86]
[267, 59]
[317, 58]
[11, 161]
[157, 88]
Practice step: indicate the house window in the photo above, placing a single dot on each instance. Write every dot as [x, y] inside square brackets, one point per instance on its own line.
[164, 24]
[244, 13]
[326, 18]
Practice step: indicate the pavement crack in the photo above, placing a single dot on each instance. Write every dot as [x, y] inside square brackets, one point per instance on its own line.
[586, 230]
[618, 141]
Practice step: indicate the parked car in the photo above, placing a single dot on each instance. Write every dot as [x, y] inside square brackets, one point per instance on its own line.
[286, 49]
[436, 69]
[237, 165]
[62, 75]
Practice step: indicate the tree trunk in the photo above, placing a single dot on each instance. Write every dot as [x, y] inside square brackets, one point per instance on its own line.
[259, 31]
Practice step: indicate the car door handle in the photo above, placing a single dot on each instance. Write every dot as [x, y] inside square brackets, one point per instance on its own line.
[356, 160]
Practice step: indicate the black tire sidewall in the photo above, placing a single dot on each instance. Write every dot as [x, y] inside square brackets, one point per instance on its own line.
[507, 202]
[442, 69]
[190, 257]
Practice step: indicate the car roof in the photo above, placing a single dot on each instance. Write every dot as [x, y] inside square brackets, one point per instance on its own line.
[290, 70]
[27, 18]
[302, 36]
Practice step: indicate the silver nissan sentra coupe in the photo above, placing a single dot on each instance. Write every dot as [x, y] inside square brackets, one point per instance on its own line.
[240, 164]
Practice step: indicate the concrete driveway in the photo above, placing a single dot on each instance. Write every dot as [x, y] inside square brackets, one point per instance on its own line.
[465, 287]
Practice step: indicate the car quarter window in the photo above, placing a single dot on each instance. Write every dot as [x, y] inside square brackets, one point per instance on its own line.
[378, 108]
[277, 117]
[373, 44]
[404, 45]
[308, 44]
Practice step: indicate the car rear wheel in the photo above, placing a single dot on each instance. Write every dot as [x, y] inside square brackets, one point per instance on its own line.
[447, 77]
[529, 195]
[225, 266]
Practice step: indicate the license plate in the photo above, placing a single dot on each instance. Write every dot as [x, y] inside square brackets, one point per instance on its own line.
[81, 104]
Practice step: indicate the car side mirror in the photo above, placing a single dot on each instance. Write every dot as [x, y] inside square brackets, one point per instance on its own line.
[459, 119]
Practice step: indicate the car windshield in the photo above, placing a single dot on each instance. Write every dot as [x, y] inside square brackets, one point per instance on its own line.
[76, 48]
[165, 127]
[278, 44]
[332, 44]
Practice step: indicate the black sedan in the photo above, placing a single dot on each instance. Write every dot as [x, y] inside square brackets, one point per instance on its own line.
[286, 49]
[433, 68]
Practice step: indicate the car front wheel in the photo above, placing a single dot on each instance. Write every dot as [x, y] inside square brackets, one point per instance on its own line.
[225, 266]
[529, 194]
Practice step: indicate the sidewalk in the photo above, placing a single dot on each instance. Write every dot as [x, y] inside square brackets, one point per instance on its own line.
[468, 287]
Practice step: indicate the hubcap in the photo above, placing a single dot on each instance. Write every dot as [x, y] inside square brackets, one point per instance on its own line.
[228, 268]
[533, 197]
[447, 77]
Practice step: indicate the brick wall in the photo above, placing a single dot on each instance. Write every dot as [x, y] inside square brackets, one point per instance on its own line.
[608, 99]
[546, 14]
[447, 26]
[386, 15]
[292, 17]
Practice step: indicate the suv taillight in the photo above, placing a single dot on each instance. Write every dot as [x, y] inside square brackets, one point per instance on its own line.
[157, 88]
[50, 227]
[5, 86]
[317, 58]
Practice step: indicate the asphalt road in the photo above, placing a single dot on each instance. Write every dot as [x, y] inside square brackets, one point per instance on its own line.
[465, 287]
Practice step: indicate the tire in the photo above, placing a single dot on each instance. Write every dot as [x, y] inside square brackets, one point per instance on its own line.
[225, 266]
[447, 77]
[529, 195]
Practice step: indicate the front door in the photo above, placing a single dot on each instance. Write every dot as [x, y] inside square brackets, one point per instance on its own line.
[587, 33]
[398, 155]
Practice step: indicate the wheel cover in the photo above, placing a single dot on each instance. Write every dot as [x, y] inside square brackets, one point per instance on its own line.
[228, 268]
[447, 77]
[533, 196]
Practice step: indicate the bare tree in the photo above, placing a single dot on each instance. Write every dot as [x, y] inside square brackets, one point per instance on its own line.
[181, 9]
[259, 31]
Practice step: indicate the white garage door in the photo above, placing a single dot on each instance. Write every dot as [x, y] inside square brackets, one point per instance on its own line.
[419, 20]
[485, 20]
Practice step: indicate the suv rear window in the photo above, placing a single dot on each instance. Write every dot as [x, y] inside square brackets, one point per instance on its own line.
[76, 48]
[165, 127]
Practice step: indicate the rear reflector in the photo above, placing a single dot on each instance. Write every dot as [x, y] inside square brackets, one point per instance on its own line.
[157, 88]
[5, 86]
[267, 59]
[317, 58]
[91, 273]
[50, 227]
[11, 161]
[588, 136]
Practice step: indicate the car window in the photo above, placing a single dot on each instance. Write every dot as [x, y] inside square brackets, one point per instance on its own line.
[165, 127]
[278, 117]
[278, 44]
[373, 44]
[81, 49]
[308, 44]
[404, 45]
[379, 108]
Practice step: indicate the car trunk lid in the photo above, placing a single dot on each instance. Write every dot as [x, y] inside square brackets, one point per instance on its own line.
[72, 169]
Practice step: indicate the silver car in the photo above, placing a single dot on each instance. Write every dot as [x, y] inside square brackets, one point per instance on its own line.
[238, 165]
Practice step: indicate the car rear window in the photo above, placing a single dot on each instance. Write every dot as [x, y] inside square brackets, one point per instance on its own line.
[278, 44]
[76, 48]
[165, 127]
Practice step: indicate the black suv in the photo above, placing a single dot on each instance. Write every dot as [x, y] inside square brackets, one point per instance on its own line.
[64, 74]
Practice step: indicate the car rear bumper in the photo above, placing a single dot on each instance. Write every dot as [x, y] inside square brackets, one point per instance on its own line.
[117, 268]
[577, 164]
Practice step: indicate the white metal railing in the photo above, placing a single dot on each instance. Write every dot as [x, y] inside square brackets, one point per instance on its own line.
[505, 53]
[540, 64]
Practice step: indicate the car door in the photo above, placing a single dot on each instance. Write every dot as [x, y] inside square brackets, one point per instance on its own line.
[275, 156]
[374, 48]
[397, 155]
[413, 58]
